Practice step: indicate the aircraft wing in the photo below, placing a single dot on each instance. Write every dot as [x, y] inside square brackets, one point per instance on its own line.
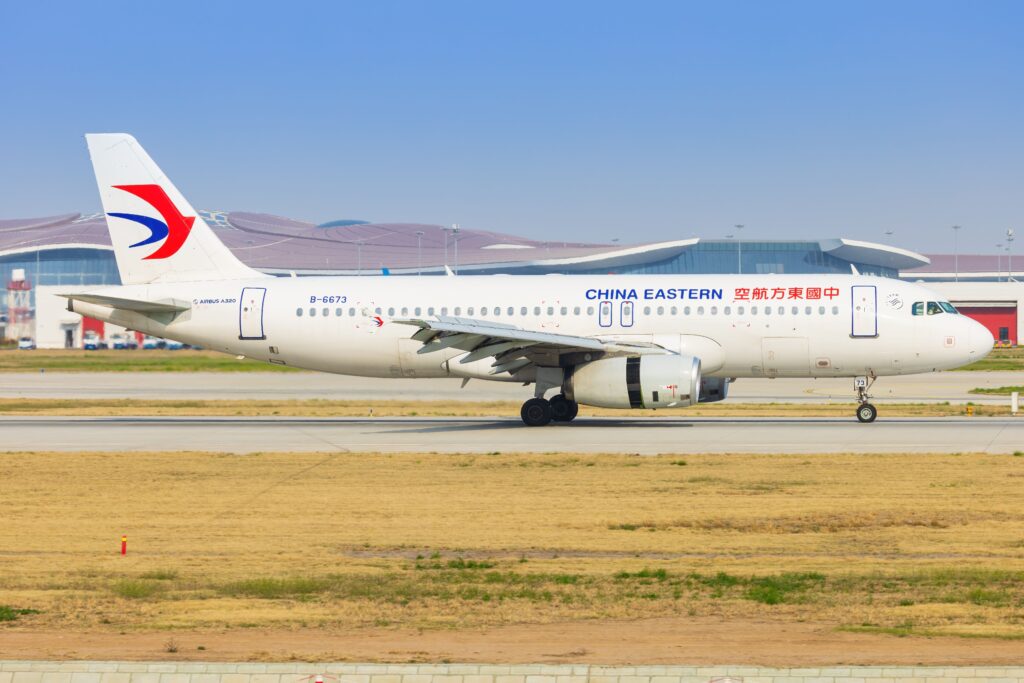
[511, 347]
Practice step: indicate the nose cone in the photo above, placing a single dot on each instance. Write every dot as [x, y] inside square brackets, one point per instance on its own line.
[979, 341]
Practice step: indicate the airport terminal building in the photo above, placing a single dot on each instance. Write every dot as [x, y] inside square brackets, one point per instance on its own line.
[39, 257]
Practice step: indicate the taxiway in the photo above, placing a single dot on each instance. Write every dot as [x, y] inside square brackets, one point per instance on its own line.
[482, 435]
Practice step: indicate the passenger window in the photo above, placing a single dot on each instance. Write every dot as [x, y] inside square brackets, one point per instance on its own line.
[796, 310]
[686, 311]
[835, 310]
[576, 310]
[377, 311]
[675, 311]
[727, 310]
[444, 310]
[661, 310]
[536, 310]
[483, 311]
[700, 310]
[933, 308]
[458, 310]
[807, 310]
[647, 310]
[352, 312]
[522, 311]
[298, 312]
[739, 310]
[405, 311]
[917, 308]
[782, 310]
[753, 310]
[417, 310]
[430, 311]
[337, 312]
[767, 310]
[821, 310]
[469, 311]
[590, 310]
[511, 311]
[312, 313]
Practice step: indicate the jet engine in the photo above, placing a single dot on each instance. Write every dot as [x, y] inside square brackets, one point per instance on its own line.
[713, 389]
[635, 382]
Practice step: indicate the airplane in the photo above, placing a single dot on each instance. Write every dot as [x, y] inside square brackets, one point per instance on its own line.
[614, 341]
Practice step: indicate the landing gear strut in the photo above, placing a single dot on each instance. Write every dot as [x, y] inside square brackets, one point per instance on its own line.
[562, 409]
[865, 411]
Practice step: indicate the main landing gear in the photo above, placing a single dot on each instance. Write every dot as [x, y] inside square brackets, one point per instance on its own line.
[865, 411]
[538, 412]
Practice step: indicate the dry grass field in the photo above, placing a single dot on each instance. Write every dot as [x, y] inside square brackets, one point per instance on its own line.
[901, 545]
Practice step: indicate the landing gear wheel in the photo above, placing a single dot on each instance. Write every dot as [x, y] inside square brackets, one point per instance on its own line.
[562, 409]
[536, 412]
[866, 412]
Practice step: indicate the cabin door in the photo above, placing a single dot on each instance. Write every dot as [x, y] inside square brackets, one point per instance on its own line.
[250, 313]
[864, 311]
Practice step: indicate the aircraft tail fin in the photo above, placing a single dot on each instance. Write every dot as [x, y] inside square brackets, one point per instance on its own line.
[157, 235]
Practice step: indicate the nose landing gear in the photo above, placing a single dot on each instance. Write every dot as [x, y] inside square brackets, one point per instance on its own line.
[865, 411]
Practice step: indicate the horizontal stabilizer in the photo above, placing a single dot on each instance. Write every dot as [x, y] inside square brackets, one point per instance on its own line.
[138, 305]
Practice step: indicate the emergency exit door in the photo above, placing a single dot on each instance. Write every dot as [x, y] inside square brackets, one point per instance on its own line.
[250, 313]
[864, 311]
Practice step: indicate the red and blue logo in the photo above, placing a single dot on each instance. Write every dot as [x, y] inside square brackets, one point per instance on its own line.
[173, 229]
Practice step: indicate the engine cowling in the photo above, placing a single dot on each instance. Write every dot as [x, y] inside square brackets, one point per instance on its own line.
[635, 382]
[713, 389]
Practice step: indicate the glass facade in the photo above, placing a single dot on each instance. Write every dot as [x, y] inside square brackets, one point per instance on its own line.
[61, 267]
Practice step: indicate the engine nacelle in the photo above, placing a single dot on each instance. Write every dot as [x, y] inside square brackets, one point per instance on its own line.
[713, 389]
[635, 382]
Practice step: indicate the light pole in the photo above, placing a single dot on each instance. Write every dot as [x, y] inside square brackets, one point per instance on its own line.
[1009, 255]
[455, 239]
[999, 262]
[419, 252]
[956, 255]
[739, 248]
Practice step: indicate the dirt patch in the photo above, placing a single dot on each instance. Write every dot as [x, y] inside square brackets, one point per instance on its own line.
[648, 641]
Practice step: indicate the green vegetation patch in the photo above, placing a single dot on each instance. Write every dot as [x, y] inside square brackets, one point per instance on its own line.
[1000, 360]
[131, 361]
[998, 391]
[8, 613]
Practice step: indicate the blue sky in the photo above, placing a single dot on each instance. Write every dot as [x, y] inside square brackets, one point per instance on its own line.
[580, 120]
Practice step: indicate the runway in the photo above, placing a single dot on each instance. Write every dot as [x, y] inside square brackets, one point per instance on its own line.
[645, 436]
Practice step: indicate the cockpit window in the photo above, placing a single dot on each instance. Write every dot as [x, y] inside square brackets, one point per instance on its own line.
[918, 308]
[934, 308]
[947, 307]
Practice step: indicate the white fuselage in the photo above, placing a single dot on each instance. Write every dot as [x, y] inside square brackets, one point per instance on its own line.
[738, 325]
